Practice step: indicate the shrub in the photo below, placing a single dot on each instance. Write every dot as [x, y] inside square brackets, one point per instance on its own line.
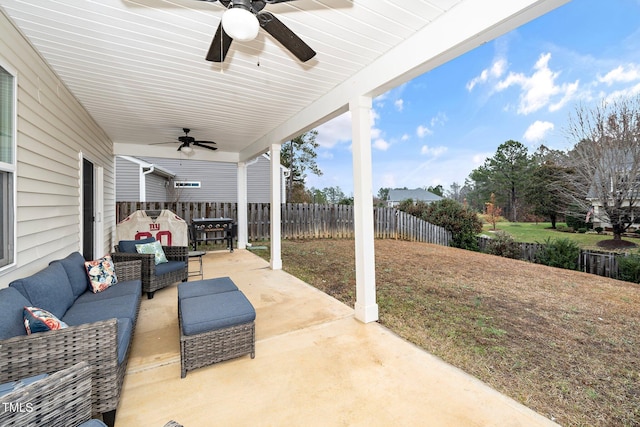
[629, 268]
[562, 253]
[563, 228]
[463, 223]
[504, 245]
[582, 230]
[599, 230]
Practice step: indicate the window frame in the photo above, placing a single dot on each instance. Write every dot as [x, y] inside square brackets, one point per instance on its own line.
[8, 257]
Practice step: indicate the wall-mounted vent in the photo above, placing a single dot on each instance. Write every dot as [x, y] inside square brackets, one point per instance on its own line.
[186, 184]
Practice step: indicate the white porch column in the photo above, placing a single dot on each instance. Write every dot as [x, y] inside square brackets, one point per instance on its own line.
[366, 307]
[276, 216]
[242, 205]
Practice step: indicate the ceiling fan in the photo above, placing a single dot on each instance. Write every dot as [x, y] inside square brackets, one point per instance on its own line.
[187, 141]
[242, 20]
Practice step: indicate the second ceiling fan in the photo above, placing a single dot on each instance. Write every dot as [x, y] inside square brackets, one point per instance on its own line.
[242, 20]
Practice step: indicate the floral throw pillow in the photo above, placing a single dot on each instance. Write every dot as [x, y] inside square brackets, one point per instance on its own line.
[102, 273]
[154, 248]
[39, 320]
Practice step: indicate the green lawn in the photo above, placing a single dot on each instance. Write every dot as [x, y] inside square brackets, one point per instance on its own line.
[531, 232]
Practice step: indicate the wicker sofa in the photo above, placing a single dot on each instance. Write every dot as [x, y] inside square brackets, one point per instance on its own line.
[155, 277]
[100, 328]
[59, 399]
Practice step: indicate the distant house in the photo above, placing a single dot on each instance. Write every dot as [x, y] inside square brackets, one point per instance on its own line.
[418, 194]
[191, 180]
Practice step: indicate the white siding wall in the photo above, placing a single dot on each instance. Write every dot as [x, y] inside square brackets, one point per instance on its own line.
[218, 181]
[127, 180]
[53, 129]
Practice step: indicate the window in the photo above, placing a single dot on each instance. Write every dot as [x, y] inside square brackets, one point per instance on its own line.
[7, 165]
[186, 184]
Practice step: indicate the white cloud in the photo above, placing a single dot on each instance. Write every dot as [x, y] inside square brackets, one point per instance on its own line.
[538, 89]
[334, 131]
[399, 104]
[537, 131]
[405, 137]
[496, 71]
[621, 74]
[423, 131]
[433, 151]
[381, 144]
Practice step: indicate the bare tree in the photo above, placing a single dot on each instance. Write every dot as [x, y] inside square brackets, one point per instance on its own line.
[605, 161]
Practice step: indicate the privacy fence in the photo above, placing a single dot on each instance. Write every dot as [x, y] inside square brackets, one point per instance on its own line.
[594, 262]
[302, 220]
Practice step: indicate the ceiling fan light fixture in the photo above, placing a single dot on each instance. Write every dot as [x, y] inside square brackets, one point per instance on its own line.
[240, 24]
[186, 149]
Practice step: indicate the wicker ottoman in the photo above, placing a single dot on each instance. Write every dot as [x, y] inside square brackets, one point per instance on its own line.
[214, 327]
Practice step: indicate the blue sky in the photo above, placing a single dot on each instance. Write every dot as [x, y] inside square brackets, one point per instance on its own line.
[523, 86]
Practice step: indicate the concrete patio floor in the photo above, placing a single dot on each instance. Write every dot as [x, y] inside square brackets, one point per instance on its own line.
[315, 365]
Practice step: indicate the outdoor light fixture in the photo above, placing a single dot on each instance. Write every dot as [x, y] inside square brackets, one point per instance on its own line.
[186, 149]
[239, 23]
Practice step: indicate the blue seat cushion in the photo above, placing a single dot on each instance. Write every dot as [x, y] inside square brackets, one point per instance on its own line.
[73, 264]
[125, 330]
[205, 287]
[93, 423]
[12, 303]
[131, 288]
[215, 311]
[125, 306]
[129, 246]
[169, 267]
[48, 289]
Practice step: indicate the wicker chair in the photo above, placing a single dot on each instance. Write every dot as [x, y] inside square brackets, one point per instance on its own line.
[96, 343]
[151, 281]
[60, 399]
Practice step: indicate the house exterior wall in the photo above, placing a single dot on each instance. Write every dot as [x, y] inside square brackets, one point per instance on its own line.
[218, 181]
[127, 180]
[54, 132]
[156, 188]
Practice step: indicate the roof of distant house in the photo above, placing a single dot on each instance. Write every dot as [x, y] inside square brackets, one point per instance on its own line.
[417, 194]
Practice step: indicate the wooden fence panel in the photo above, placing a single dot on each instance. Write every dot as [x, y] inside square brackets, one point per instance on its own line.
[301, 220]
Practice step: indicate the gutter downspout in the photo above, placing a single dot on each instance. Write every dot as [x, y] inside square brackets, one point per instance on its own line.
[143, 182]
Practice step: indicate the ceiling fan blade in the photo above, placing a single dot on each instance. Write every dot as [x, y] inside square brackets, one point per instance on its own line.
[219, 46]
[285, 36]
[198, 143]
[204, 142]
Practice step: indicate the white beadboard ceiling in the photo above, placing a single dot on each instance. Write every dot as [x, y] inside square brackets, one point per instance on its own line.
[138, 66]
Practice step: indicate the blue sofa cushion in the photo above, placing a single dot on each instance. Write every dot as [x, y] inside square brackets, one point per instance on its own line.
[119, 307]
[73, 264]
[205, 287]
[12, 303]
[131, 287]
[48, 289]
[216, 311]
[169, 267]
[129, 246]
[125, 330]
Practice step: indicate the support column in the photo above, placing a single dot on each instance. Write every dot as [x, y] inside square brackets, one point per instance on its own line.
[366, 308]
[242, 205]
[276, 215]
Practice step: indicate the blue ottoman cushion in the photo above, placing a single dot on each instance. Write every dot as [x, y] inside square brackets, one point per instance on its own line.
[205, 287]
[216, 311]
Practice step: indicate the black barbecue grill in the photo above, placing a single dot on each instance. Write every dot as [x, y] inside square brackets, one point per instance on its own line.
[205, 230]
